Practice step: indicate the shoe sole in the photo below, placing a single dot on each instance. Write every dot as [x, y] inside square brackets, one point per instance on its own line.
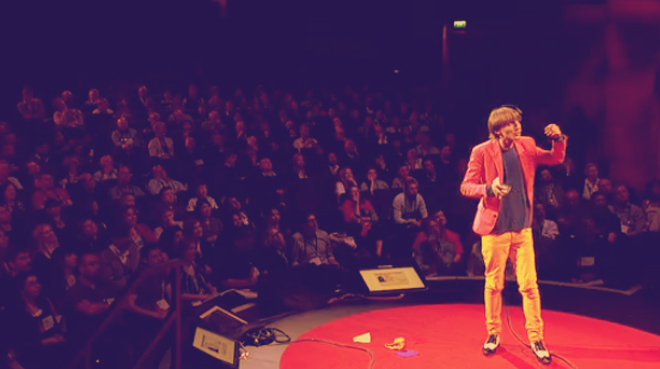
[547, 361]
[488, 352]
[544, 361]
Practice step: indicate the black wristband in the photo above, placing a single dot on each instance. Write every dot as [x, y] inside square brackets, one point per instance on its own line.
[560, 138]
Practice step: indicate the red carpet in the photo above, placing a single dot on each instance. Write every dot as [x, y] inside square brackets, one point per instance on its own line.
[450, 336]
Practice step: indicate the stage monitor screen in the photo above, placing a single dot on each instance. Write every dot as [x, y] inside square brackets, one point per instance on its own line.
[217, 346]
[395, 279]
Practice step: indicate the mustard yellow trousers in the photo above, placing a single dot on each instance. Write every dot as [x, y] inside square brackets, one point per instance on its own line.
[496, 249]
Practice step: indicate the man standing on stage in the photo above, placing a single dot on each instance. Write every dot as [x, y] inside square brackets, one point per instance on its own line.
[501, 173]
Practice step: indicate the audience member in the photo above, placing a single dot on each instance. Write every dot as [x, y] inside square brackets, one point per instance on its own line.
[403, 173]
[107, 171]
[140, 233]
[120, 260]
[550, 254]
[166, 220]
[30, 107]
[550, 193]
[35, 326]
[312, 245]
[346, 179]
[434, 254]
[161, 147]
[124, 185]
[211, 226]
[605, 186]
[409, 210]
[591, 182]
[16, 261]
[161, 180]
[67, 265]
[360, 235]
[148, 303]
[46, 242]
[631, 216]
[201, 193]
[66, 117]
[87, 301]
[651, 206]
[90, 104]
[372, 183]
[5, 178]
[45, 189]
[194, 286]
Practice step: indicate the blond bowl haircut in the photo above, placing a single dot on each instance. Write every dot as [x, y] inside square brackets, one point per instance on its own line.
[502, 117]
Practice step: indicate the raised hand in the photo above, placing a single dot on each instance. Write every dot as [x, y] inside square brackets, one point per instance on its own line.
[552, 130]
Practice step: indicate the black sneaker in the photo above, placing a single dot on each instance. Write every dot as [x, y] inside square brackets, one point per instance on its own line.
[491, 344]
[541, 352]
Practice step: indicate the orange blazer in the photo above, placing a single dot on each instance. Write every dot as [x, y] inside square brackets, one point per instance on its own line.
[486, 164]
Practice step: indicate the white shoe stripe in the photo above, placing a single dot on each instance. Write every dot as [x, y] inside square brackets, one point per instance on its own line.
[541, 353]
[491, 345]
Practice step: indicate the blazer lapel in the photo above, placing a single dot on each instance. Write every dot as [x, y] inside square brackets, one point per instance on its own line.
[496, 155]
[524, 161]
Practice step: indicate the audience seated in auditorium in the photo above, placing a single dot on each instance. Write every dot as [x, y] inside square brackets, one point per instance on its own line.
[233, 169]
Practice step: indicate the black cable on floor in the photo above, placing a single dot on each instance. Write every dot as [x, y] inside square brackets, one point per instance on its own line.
[266, 336]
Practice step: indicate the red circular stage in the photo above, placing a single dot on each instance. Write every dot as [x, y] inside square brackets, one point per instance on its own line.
[451, 336]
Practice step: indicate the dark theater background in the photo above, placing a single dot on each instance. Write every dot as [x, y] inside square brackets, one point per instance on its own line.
[589, 60]
[394, 89]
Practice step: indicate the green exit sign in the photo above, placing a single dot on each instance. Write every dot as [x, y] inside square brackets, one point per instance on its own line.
[460, 24]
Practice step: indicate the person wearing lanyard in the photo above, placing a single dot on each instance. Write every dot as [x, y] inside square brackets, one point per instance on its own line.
[148, 302]
[312, 245]
[35, 328]
[631, 216]
[149, 298]
[120, 260]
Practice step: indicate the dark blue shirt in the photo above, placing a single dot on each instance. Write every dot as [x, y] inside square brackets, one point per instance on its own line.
[514, 212]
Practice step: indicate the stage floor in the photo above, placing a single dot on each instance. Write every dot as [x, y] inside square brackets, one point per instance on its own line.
[449, 335]
[590, 326]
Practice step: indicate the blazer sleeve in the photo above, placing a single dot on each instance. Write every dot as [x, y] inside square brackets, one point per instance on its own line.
[553, 156]
[472, 185]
